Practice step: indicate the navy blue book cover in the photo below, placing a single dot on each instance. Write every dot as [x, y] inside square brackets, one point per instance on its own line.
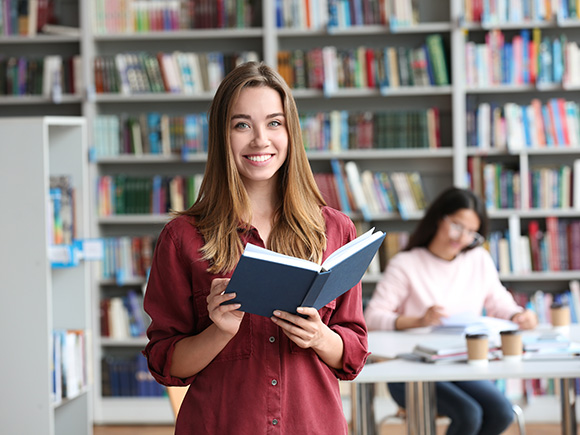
[263, 286]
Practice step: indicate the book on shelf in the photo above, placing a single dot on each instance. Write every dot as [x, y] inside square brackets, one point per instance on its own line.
[265, 281]
[59, 29]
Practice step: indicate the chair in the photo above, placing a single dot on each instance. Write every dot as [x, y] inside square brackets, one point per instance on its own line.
[176, 395]
[519, 415]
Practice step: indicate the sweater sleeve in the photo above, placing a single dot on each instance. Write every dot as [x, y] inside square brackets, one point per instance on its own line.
[498, 302]
[390, 293]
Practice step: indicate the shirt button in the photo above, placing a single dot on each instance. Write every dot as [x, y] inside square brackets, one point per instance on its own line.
[274, 382]
[275, 421]
[272, 339]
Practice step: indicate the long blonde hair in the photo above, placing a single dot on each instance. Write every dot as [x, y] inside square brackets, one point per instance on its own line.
[298, 228]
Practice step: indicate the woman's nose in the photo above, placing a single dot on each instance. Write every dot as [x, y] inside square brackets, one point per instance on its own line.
[261, 137]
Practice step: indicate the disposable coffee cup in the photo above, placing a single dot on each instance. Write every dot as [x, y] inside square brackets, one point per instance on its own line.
[477, 349]
[511, 345]
[560, 314]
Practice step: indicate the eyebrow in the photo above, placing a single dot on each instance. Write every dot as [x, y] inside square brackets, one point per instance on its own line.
[271, 115]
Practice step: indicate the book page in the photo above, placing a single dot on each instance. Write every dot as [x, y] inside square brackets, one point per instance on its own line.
[259, 253]
[350, 248]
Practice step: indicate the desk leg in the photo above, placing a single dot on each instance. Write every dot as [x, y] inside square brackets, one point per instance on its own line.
[568, 403]
[363, 411]
[421, 408]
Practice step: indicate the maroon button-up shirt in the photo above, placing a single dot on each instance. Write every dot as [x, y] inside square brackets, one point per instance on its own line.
[261, 382]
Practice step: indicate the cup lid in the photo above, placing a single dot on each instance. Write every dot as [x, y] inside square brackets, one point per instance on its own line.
[509, 332]
[478, 335]
[558, 305]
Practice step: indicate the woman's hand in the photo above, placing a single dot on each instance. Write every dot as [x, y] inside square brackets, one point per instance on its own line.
[432, 316]
[526, 319]
[311, 332]
[226, 317]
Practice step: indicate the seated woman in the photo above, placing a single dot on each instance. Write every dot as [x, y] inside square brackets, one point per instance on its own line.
[445, 271]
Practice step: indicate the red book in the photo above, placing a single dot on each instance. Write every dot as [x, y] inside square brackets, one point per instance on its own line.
[552, 233]
[562, 113]
[104, 317]
[535, 235]
[370, 67]
[574, 245]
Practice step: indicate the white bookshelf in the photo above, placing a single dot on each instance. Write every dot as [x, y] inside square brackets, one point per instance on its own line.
[37, 298]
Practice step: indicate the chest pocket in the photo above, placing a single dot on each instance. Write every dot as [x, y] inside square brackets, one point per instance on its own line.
[239, 347]
[325, 314]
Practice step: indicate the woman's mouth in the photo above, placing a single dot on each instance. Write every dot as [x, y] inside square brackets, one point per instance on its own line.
[260, 158]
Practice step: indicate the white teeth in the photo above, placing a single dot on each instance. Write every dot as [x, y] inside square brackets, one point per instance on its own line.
[259, 158]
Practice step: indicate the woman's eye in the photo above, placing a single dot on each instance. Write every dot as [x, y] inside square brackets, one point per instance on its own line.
[241, 125]
[275, 123]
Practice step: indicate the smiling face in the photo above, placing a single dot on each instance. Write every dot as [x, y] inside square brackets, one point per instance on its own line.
[258, 135]
[455, 232]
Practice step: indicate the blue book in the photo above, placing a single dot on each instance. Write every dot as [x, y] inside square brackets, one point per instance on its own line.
[525, 34]
[557, 61]
[265, 281]
[527, 122]
[430, 72]
[547, 124]
[279, 18]
[342, 194]
[557, 121]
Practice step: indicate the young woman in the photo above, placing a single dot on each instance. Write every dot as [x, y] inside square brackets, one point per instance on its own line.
[444, 271]
[250, 374]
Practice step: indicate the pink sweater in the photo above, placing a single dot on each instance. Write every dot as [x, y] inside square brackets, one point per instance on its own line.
[416, 280]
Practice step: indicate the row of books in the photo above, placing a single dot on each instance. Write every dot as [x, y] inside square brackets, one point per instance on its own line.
[553, 247]
[322, 14]
[528, 58]
[549, 187]
[150, 133]
[176, 72]
[135, 16]
[122, 317]
[69, 363]
[61, 223]
[128, 376]
[125, 195]
[127, 259]
[50, 76]
[341, 130]
[25, 17]
[164, 134]
[371, 193]
[555, 123]
[330, 68]
[490, 12]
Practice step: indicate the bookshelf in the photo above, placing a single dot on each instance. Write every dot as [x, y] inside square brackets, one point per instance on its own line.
[42, 299]
[439, 167]
[24, 89]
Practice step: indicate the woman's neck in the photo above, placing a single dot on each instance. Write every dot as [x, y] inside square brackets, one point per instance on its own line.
[436, 250]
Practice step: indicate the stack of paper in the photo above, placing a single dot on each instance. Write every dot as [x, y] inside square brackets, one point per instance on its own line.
[442, 350]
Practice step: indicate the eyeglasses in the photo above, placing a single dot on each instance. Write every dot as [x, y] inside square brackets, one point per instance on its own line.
[457, 230]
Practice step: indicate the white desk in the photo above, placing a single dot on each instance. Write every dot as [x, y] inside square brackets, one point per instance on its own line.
[421, 378]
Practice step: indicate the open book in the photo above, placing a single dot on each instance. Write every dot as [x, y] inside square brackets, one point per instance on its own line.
[265, 281]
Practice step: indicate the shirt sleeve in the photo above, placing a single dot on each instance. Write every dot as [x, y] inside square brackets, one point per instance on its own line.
[347, 320]
[168, 301]
[498, 302]
[392, 289]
